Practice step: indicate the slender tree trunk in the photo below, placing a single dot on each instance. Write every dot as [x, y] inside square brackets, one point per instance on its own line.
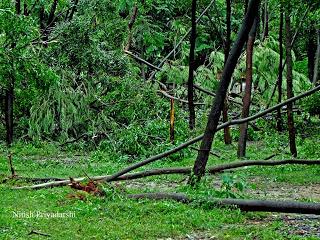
[73, 10]
[9, 94]
[316, 64]
[25, 9]
[214, 116]
[130, 26]
[266, 21]
[18, 7]
[247, 95]
[311, 46]
[292, 136]
[9, 111]
[279, 117]
[193, 37]
[245, 6]
[227, 45]
[52, 12]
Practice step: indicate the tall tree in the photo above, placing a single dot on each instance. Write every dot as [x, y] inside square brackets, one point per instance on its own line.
[215, 113]
[227, 45]
[192, 62]
[9, 92]
[247, 95]
[291, 129]
[316, 64]
[279, 116]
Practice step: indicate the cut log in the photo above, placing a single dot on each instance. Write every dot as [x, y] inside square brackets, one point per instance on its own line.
[242, 204]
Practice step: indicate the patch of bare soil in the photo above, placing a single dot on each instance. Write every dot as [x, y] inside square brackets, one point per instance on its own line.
[193, 236]
[284, 191]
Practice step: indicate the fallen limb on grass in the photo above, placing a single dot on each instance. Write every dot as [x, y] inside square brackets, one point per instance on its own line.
[178, 170]
[242, 204]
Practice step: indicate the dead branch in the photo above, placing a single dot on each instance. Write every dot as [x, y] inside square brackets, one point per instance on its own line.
[141, 60]
[178, 170]
[39, 233]
[212, 153]
[178, 99]
[242, 204]
[201, 89]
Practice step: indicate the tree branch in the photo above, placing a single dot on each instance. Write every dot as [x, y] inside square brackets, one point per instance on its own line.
[178, 99]
[178, 170]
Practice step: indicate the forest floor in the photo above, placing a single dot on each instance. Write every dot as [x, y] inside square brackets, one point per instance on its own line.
[116, 217]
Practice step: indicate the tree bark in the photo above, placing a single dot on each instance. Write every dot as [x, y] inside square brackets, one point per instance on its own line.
[52, 12]
[18, 7]
[242, 204]
[316, 64]
[247, 95]
[279, 82]
[265, 21]
[73, 10]
[9, 99]
[227, 134]
[213, 120]
[193, 37]
[130, 25]
[311, 46]
[291, 128]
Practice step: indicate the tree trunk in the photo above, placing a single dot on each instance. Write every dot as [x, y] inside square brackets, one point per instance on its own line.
[316, 64]
[193, 37]
[227, 134]
[52, 12]
[73, 10]
[265, 21]
[130, 26]
[279, 117]
[311, 46]
[247, 95]
[292, 137]
[214, 116]
[18, 7]
[9, 112]
[245, 6]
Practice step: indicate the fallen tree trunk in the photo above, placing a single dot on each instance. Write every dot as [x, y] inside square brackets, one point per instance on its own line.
[178, 170]
[242, 204]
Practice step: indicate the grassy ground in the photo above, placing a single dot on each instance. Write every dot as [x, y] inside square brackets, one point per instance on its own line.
[115, 217]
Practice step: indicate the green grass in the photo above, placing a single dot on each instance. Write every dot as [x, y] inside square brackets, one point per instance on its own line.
[115, 217]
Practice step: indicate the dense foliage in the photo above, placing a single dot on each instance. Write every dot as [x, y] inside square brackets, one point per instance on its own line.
[73, 83]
